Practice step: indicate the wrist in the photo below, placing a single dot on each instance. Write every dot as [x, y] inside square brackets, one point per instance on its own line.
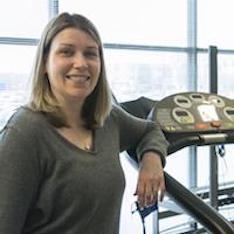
[152, 158]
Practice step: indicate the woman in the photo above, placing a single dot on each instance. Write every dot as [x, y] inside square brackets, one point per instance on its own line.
[59, 155]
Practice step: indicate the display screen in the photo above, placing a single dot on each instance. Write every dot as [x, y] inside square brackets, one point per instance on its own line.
[182, 101]
[197, 96]
[208, 113]
[230, 112]
[181, 113]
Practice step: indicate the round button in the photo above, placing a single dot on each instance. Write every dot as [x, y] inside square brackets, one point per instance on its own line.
[215, 124]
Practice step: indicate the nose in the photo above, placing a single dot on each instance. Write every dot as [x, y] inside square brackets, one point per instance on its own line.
[79, 61]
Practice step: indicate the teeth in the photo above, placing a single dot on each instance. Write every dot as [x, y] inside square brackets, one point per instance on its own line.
[78, 79]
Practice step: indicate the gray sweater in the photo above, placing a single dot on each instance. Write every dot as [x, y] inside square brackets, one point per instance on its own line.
[50, 186]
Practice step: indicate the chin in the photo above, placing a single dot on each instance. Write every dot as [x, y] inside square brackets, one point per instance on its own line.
[78, 97]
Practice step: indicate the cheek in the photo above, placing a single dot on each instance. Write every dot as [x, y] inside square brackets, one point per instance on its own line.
[97, 70]
[97, 75]
[54, 68]
[49, 67]
[52, 75]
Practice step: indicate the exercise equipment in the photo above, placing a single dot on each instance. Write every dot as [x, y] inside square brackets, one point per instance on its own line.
[188, 119]
[195, 119]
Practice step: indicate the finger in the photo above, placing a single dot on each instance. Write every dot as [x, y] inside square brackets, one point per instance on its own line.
[149, 195]
[155, 195]
[140, 195]
[161, 195]
[161, 192]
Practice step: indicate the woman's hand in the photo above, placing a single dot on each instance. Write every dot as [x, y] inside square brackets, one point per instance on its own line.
[151, 184]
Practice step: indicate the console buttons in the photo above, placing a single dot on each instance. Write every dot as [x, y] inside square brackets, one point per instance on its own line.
[215, 124]
[202, 126]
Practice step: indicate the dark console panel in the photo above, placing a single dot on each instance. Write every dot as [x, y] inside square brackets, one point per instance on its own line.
[192, 112]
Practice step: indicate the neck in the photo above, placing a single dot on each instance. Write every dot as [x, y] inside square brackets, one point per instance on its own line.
[73, 115]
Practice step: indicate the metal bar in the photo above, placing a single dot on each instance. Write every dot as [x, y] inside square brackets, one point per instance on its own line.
[213, 138]
[18, 41]
[34, 41]
[53, 8]
[192, 81]
[145, 47]
[213, 76]
[213, 178]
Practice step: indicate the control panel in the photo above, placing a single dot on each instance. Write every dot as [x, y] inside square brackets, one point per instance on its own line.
[195, 112]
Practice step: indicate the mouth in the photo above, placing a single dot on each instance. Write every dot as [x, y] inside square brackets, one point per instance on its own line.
[79, 79]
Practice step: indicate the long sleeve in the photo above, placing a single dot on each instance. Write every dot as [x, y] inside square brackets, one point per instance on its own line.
[19, 176]
[142, 135]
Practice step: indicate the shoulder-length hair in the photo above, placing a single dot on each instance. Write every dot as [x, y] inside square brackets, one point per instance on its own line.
[97, 105]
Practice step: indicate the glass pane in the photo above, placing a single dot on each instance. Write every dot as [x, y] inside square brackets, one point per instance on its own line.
[155, 75]
[226, 87]
[215, 23]
[226, 165]
[24, 18]
[203, 167]
[16, 62]
[226, 74]
[162, 22]
[203, 72]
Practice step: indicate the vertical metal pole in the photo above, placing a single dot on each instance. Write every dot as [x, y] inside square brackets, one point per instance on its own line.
[213, 69]
[213, 75]
[192, 78]
[53, 8]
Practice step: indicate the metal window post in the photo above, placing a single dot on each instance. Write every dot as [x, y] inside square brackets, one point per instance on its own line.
[53, 8]
[213, 76]
[192, 79]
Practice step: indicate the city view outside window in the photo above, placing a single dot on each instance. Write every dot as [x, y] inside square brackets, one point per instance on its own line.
[154, 74]
[14, 78]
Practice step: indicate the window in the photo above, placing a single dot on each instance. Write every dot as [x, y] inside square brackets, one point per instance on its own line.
[225, 74]
[14, 76]
[215, 23]
[148, 22]
[154, 74]
[24, 18]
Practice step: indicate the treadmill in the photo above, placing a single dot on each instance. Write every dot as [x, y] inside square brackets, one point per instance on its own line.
[191, 119]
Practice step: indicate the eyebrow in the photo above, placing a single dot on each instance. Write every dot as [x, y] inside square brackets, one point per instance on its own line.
[71, 45]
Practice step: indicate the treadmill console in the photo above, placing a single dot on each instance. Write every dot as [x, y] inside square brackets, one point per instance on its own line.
[192, 112]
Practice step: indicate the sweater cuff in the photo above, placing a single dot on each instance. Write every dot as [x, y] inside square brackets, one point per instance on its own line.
[160, 154]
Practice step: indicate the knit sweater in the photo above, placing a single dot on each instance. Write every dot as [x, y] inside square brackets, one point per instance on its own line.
[50, 186]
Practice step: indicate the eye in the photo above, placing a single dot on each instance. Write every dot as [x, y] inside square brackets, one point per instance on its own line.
[92, 54]
[66, 52]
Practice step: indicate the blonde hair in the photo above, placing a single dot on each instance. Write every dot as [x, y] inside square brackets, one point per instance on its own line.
[97, 105]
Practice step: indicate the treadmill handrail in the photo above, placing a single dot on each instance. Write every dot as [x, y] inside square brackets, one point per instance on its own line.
[197, 208]
[200, 140]
[182, 143]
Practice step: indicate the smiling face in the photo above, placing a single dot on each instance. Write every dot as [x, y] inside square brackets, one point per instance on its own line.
[73, 65]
